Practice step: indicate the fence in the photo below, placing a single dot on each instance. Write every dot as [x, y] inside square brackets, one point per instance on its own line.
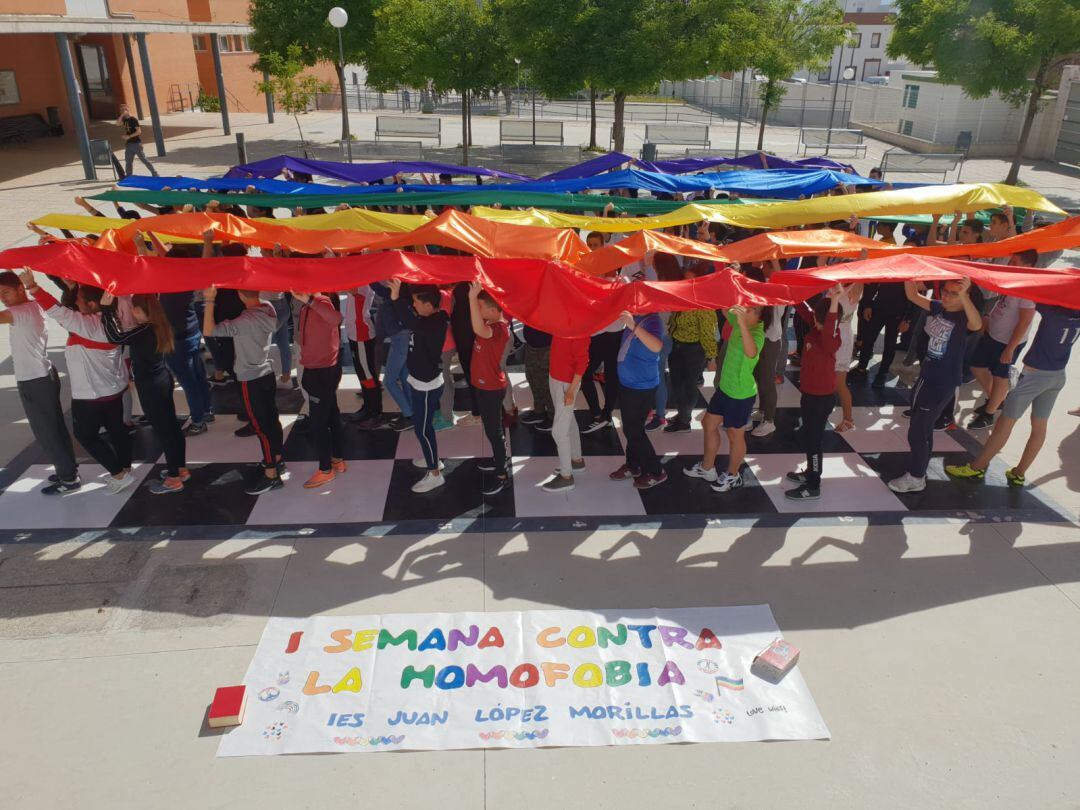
[804, 105]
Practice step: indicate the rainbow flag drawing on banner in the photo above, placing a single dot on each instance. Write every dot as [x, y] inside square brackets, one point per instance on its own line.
[734, 684]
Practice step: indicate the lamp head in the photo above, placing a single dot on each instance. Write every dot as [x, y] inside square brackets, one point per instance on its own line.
[338, 17]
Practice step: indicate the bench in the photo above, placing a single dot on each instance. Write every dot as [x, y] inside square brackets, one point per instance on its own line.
[522, 131]
[677, 135]
[394, 150]
[897, 161]
[395, 126]
[829, 139]
[21, 128]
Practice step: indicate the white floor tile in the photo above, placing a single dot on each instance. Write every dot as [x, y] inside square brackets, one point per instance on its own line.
[219, 445]
[882, 429]
[356, 496]
[22, 506]
[847, 484]
[463, 441]
[593, 494]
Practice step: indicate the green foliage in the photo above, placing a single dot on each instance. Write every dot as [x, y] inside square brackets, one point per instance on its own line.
[293, 91]
[277, 24]
[208, 103]
[793, 35]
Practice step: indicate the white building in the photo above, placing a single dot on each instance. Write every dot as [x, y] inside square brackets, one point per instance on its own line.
[873, 23]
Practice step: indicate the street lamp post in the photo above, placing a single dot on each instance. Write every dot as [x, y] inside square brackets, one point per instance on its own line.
[339, 18]
[518, 89]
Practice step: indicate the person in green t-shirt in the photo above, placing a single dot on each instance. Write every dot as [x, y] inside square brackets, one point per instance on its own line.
[733, 401]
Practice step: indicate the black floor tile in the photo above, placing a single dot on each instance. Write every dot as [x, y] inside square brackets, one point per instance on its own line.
[459, 497]
[682, 495]
[528, 441]
[785, 439]
[359, 444]
[213, 497]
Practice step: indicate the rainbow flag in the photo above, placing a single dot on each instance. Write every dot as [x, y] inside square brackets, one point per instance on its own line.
[734, 684]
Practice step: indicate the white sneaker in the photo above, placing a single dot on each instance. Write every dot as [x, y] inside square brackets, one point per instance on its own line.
[727, 482]
[118, 485]
[428, 483]
[697, 471]
[756, 415]
[907, 483]
[764, 429]
[421, 464]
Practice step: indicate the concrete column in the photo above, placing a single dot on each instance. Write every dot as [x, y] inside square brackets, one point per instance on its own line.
[75, 103]
[133, 75]
[216, 52]
[151, 96]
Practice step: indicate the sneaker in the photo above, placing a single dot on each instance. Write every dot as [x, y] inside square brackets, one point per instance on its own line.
[441, 423]
[265, 484]
[185, 475]
[210, 417]
[1014, 478]
[756, 415]
[675, 426]
[531, 418]
[906, 414]
[371, 423]
[470, 419]
[318, 479]
[59, 487]
[981, 421]
[356, 416]
[803, 493]
[421, 464]
[981, 407]
[965, 472]
[879, 381]
[246, 430]
[118, 485]
[697, 471]
[428, 483]
[339, 466]
[487, 465]
[858, 371]
[649, 480]
[944, 423]
[794, 359]
[655, 423]
[766, 428]
[558, 484]
[595, 424]
[216, 383]
[166, 486]
[797, 477]
[577, 465]
[544, 426]
[497, 484]
[908, 483]
[727, 482]
[196, 429]
[624, 473]
[401, 424]
[282, 471]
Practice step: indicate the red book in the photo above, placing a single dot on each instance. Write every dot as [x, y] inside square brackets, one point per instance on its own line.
[228, 706]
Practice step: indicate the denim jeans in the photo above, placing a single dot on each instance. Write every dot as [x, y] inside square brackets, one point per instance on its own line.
[395, 375]
[190, 372]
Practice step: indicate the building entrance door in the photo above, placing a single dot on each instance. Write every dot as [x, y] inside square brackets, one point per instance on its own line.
[96, 83]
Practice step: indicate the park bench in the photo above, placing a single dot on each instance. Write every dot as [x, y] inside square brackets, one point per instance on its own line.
[522, 131]
[897, 161]
[21, 128]
[395, 126]
[830, 139]
[678, 135]
[393, 150]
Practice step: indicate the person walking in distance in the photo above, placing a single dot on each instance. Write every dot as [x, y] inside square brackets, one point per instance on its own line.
[38, 383]
[133, 147]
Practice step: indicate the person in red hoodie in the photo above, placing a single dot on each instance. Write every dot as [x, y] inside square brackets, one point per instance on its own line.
[569, 359]
[817, 382]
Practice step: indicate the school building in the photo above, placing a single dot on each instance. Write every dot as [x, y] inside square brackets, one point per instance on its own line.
[69, 62]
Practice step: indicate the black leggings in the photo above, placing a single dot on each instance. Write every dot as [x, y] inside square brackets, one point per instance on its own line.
[891, 324]
[321, 385]
[156, 396]
[603, 348]
[260, 401]
[88, 416]
[491, 414]
[815, 415]
[635, 404]
[365, 358]
[686, 362]
[464, 340]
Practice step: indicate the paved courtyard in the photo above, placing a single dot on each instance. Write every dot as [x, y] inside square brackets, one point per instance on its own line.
[932, 625]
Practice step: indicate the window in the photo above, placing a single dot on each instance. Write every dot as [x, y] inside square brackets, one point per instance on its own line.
[224, 43]
[858, 41]
[911, 96]
[245, 44]
[825, 75]
[875, 40]
[199, 42]
[905, 127]
[870, 68]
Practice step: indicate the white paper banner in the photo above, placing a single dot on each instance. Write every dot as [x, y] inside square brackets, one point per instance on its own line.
[517, 680]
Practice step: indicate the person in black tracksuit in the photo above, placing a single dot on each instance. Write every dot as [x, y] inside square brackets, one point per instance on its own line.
[148, 343]
[885, 307]
[421, 315]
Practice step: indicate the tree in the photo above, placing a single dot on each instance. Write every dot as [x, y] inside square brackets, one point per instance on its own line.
[1012, 47]
[277, 24]
[292, 90]
[444, 44]
[791, 35]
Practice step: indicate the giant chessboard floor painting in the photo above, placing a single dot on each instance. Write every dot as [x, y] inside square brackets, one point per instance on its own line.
[523, 679]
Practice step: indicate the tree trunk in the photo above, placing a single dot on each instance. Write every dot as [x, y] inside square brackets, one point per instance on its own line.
[296, 118]
[620, 110]
[344, 103]
[464, 130]
[1025, 131]
[764, 113]
[592, 117]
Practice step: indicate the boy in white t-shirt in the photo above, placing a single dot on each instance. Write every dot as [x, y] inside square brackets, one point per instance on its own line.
[38, 383]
